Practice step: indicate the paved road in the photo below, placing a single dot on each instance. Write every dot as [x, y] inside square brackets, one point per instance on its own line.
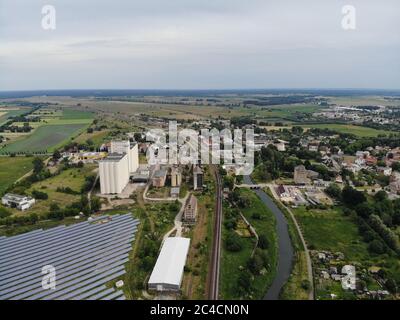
[285, 249]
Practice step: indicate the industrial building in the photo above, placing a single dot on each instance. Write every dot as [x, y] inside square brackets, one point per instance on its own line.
[159, 178]
[114, 173]
[176, 177]
[168, 272]
[190, 210]
[124, 146]
[17, 201]
[116, 168]
[197, 177]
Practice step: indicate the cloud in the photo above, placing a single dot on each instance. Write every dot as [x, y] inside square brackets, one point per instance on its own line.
[199, 44]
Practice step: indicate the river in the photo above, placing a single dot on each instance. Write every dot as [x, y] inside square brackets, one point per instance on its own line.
[285, 248]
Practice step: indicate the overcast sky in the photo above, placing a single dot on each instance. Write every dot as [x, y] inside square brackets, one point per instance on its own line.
[199, 44]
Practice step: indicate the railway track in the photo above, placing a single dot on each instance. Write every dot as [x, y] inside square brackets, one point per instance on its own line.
[216, 246]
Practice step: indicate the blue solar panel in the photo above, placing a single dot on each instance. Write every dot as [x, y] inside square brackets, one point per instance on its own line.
[63, 235]
[64, 244]
[101, 294]
[114, 295]
[86, 256]
[99, 250]
[45, 258]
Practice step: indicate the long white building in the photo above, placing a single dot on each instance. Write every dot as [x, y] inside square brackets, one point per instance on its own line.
[168, 272]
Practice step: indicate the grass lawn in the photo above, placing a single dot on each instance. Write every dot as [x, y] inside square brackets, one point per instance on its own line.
[98, 137]
[349, 128]
[73, 178]
[12, 168]
[232, 262]
[331, 230]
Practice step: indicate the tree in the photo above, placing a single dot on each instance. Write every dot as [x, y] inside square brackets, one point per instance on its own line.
[352, 197]
[233, 242]
[4, 213]
[377, 247]
[263, 242]
[40, 195]
[380, 196]
[95, 204]
[391, 286]
[255, 264]
[244, 282]
[38, 165]
[334, 191]
[56, 155]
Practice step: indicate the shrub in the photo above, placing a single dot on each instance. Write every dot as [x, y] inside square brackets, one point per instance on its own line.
[233, 242]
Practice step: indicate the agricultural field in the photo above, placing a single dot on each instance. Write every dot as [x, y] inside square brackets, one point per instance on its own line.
[12, 168]
[55, 128]
[349, 128]
[44, 139]
[7, 112]
[349, 101]
[232, 263]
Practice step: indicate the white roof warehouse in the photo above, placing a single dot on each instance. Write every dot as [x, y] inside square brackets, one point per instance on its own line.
[168, 272]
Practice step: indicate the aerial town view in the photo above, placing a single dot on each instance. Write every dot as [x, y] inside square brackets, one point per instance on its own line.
[168, 185]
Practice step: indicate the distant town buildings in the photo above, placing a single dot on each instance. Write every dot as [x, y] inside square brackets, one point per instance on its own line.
[17, 201]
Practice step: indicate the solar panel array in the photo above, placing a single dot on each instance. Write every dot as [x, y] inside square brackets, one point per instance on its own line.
[86, 256]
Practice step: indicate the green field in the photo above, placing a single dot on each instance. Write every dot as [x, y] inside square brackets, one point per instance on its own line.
[73, 178]
[45, 138]
[349, 128]
[69, 114]
[232, 262]
[12, 169]
[331, 230]
[6, 114]
[52, 132]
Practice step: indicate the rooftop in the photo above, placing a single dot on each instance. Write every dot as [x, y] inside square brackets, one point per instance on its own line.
[171, 261]
[114, 157]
